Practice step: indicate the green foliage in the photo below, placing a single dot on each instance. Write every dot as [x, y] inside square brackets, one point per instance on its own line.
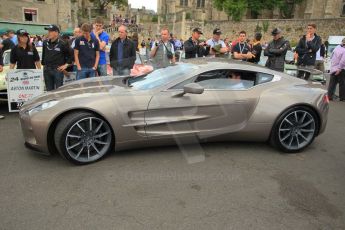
[237, 8]
[154, 18]
[293, 42]
[265, 25]
[258, 28]
[188, 16]
[234, 8]
[102, 4]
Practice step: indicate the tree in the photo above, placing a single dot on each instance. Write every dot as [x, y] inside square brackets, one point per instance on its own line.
[236, 8]
[103, 4]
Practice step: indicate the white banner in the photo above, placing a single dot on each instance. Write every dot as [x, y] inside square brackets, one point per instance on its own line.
[22, 86]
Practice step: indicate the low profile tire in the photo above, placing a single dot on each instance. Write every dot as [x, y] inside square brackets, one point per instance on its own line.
[295, 129]
[83, 138]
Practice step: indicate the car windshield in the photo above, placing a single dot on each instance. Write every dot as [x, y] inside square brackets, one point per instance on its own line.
[161, 77]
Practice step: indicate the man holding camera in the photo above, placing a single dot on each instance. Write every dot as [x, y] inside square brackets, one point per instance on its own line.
[162, 52]
[218, 47]
[194, 48]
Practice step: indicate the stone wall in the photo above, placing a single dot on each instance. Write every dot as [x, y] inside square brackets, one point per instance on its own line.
[292, 29]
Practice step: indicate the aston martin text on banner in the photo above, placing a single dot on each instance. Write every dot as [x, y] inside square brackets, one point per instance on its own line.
[23, 85]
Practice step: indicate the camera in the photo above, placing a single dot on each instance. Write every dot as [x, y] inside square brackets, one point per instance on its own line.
[170, 55]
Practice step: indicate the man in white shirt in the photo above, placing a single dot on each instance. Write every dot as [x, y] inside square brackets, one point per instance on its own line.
[218, 47]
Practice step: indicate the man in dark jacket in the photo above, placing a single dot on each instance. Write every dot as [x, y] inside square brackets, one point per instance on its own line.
[56, 58]
[122, 53]
[276, 51]
[307, 48]
[193, 48]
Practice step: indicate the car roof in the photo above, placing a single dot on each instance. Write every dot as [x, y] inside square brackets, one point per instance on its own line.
[216, 63]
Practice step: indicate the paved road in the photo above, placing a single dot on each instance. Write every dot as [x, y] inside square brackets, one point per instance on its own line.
[235, 186]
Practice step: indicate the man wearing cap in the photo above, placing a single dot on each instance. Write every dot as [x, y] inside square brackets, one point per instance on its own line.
[55, 58]
[276, 51]
[307, 48]
[337, 72]
[193, 47]
[217, 46]
[24, 55]
[242, 51]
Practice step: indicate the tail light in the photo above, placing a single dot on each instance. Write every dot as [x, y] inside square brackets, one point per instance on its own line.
[326, 99]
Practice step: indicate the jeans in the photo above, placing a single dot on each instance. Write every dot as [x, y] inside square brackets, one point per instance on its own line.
[102, 70]
[85, 73]
[53, 78]
[120, 71]
[334, 80]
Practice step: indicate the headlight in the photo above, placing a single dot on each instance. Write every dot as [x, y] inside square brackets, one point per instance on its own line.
[45, 105]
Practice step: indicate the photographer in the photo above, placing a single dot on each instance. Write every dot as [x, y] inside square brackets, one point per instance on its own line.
[162, 52]
[194, 48]
[218, 47]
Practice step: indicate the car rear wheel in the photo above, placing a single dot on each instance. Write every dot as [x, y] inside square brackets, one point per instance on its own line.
[83, 138]
[295, 129]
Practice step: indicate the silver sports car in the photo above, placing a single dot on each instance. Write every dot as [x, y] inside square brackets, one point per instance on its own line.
[205, 100]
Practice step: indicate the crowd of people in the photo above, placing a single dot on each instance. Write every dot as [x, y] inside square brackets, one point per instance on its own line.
[85, 52]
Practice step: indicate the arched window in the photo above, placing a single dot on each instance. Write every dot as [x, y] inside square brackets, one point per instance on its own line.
[200, 4]
[183, 2]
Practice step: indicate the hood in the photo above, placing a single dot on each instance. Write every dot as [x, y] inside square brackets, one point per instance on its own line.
[92, 87]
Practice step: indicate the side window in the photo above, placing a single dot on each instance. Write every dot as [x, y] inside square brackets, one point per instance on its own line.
[263, 78]
[223, 80]
[207, 79]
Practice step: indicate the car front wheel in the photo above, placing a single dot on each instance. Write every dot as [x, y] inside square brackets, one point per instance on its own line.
[295, 129]
[83, 138]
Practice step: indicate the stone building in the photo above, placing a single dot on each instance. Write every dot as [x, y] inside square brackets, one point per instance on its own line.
[200, 10]
[38, 12]
[181, 16]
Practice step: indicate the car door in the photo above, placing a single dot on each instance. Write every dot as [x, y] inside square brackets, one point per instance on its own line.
[219, 110]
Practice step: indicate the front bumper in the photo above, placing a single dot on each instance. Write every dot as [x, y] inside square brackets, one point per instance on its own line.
[35, 135]
[35, 149]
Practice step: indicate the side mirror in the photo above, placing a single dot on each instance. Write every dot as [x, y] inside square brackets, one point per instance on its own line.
[193, 88]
